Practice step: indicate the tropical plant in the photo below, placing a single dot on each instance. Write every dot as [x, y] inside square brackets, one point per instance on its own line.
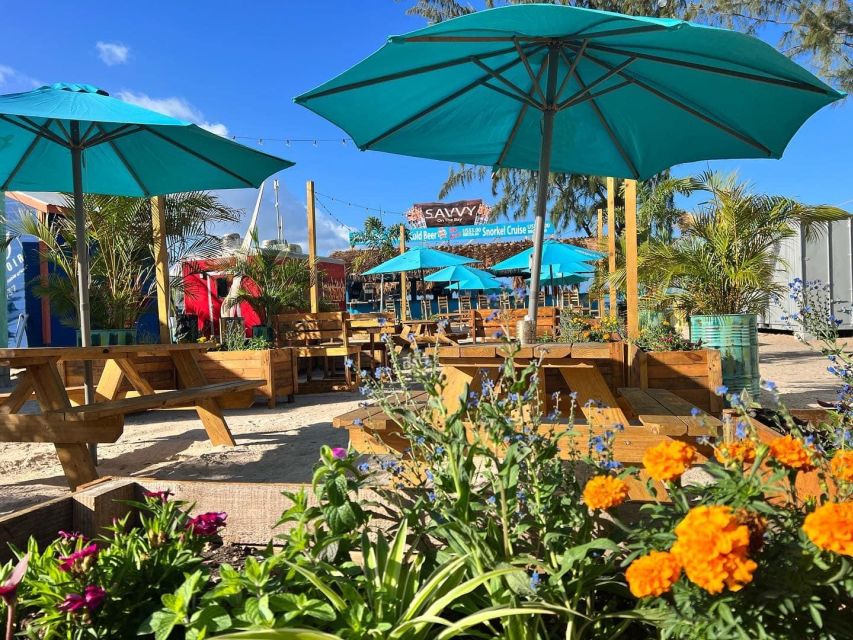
[726, 258]
[380, 240]
[121, 252]
[271, 282]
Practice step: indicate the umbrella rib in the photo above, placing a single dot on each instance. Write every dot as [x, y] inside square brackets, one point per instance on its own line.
[497, 76]
[519, 118]
[402, 74]
[35, 129]
[572, 66]
[436, 105]
[126, 164]
[710, 119]
[534, 79]
[571, 101]
[536, 39]
[598, 94]
[786, 82]
[197, 155]
[111, 136]
[21, 162]
[613, 137]
[513, 96]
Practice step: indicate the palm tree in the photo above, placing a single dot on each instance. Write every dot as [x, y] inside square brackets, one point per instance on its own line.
[725, 260]
[380, 240]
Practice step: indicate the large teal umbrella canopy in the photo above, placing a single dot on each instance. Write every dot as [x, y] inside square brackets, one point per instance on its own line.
[477, 284]
[76, 138]
[559, 88]
[553, 253]
[126, 150]
[417, 260]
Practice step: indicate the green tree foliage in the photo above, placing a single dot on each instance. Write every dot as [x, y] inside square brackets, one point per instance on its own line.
[378, 238]
[818, 33]
[121, 252]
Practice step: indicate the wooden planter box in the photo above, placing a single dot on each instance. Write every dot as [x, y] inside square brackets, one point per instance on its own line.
[276, 366]
[253, 509]
[692, 375]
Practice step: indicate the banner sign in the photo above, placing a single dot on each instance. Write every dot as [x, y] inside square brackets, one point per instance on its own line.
[447, 214]
[473, 233]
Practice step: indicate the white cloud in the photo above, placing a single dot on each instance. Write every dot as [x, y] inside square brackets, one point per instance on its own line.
[113, 53]
[13, 80]
[175, 107]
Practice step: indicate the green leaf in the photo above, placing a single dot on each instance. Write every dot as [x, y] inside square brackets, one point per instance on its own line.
[488, 614]
[213, 618]
[278, 634]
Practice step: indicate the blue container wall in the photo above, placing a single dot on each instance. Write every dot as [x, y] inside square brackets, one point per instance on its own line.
[60, 334]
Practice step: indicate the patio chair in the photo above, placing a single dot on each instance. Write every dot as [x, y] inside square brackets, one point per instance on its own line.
[319, 335]
[465, 304]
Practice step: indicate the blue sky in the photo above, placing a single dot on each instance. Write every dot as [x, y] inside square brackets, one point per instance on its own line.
[236, 71]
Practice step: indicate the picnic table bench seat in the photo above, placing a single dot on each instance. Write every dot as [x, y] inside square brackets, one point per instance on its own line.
[667, 414]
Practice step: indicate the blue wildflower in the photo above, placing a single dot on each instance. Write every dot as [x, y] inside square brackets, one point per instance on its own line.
[740, 430]
[535, 580]
[721, 390]
[695, 412]
[431, 496]
[491, 500]
[358, 422]
[364, 467]
[348, 363]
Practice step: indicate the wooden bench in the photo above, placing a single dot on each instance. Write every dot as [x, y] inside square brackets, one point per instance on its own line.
[665, 413]
[319, 335]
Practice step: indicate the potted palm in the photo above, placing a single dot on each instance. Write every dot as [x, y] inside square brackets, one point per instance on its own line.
[720, 271]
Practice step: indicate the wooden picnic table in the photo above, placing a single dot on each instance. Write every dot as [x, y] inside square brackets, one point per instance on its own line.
[593, 371]
[71, 427]
[421, 328]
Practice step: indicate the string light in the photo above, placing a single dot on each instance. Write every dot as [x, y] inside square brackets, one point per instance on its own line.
[315, 142]
[358, 206]
[333, 217]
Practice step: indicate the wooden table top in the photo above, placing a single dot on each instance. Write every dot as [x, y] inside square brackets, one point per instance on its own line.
[547, 351]
[96, 353]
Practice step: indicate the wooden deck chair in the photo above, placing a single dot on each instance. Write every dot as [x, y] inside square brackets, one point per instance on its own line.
[319, 335]
[465, 304]
[482, 301]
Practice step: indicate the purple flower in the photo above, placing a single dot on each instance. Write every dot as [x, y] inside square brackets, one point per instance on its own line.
[71, 536]
[339, 453]
[79, 561]
[92, 598]
[9, 589]
[207, 524]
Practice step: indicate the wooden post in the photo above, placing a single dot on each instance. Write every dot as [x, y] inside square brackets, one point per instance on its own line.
[611, 240]
[161, 261]
[312, 248]
[631, 282]
[404, 283]
[600, 237]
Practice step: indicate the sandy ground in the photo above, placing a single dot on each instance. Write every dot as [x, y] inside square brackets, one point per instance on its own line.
[281, 445]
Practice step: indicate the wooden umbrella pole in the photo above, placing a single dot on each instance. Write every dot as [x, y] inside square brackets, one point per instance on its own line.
[632, 293]
[312, 248]
[161, 262]
[600, 238]
[404, 284]
[611, 242]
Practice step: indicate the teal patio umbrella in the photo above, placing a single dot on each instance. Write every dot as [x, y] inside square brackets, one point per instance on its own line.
[574, 90]
[418, 260]
[465, 278]
[76, 138]
[553, 253]
[560, 278]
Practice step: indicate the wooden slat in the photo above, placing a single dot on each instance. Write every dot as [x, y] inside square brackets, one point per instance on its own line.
[696, 426]
[190, 375]
[652, 414]
[159, 400]
[587, 382]
[20, 394]
[53, 428]
[95, 353]
[40, 522]
[75, 458]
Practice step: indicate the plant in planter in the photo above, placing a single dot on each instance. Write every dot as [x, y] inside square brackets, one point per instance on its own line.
[121, 266]
[271, 282]
[721, 270]
[575, 327]
[662, 336]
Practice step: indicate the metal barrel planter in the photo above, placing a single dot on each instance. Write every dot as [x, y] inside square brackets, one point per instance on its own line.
[736, 337]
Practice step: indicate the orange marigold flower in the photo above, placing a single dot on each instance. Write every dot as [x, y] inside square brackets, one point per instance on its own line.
[739, 451]
[792, 453]
[668, 460]
[653, 574]
[603, 492]
[842, 465]
[713, 547]
[830, 527]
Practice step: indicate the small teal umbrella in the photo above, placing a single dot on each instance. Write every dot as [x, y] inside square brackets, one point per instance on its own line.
[574, 90]
[418, 260]
[458, 273]
[76, 138]
[559, 278]
[478, 284]
[553, 253]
